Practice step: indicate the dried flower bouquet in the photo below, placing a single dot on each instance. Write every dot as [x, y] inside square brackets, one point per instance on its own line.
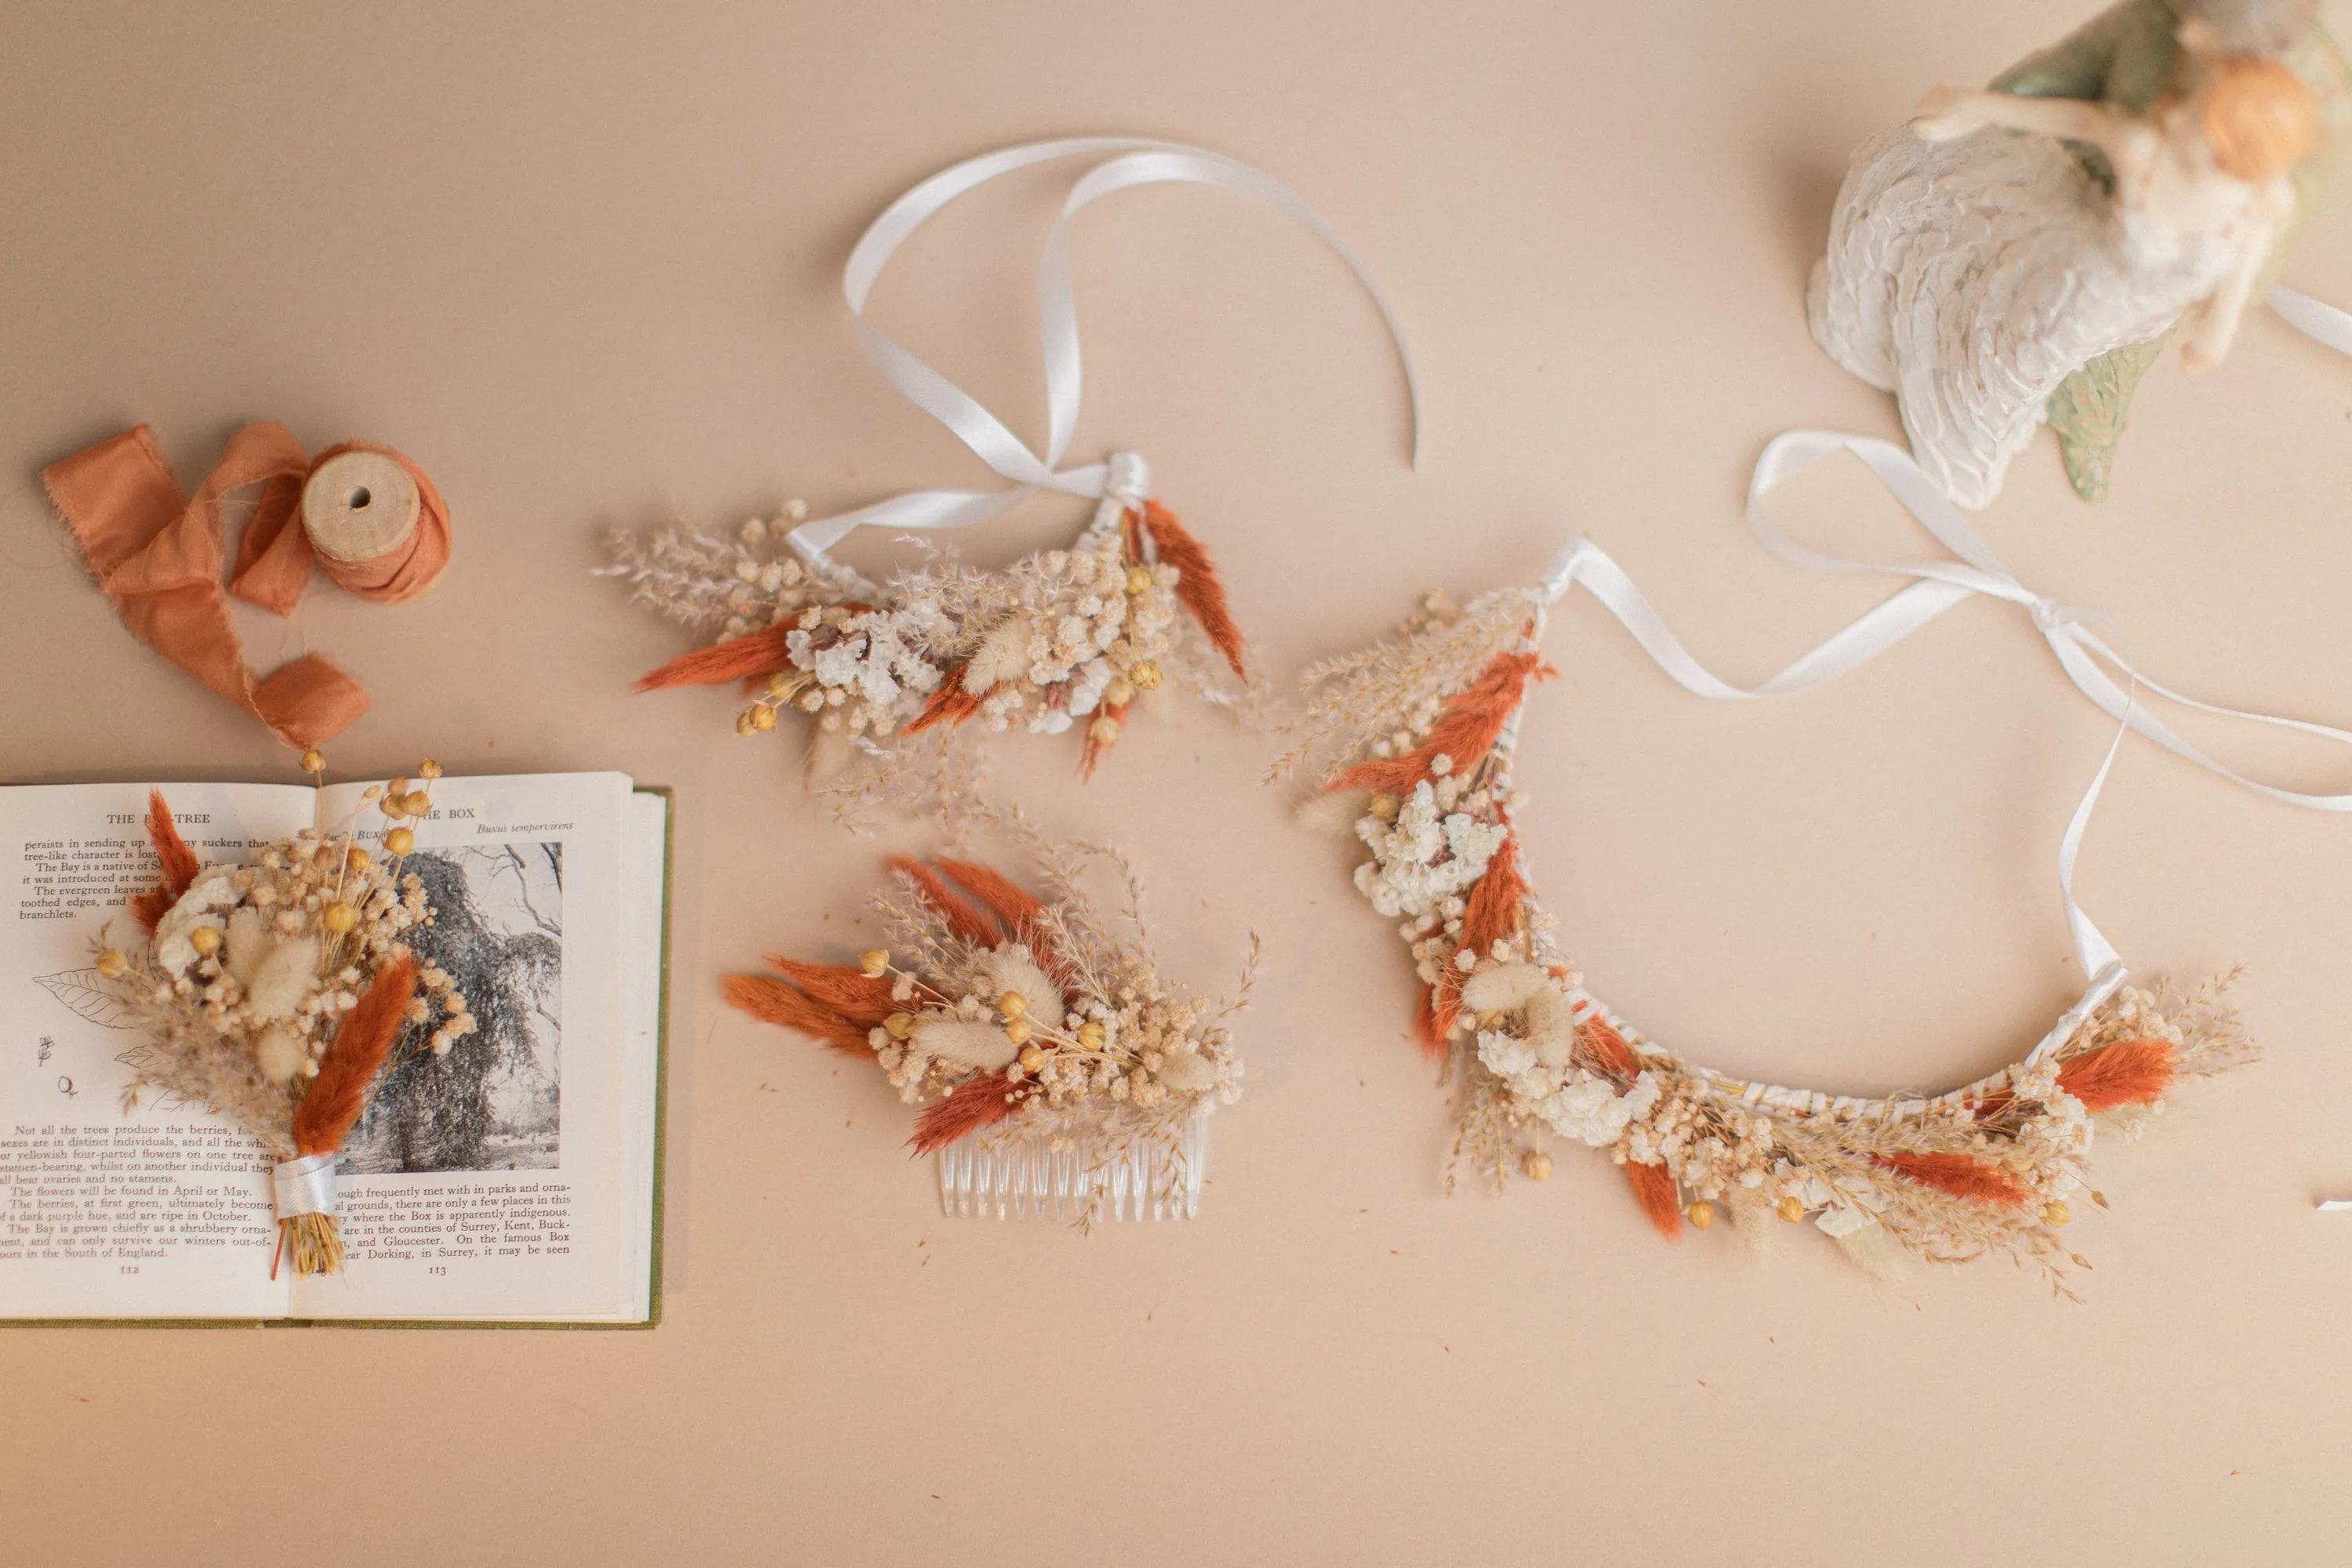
[1063, 639]
[1424, 727]
[278, 992]
[1016, 1018]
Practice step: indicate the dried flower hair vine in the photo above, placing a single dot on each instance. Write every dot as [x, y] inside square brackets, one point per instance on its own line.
[283, 992]
[1422, 732]
[1064, 641]
[1061, 1072]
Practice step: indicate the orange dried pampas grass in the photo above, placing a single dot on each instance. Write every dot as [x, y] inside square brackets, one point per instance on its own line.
[180, 864]
[369, 1030]
[2126, 1073]
[1608, 1048]
[1430, 1024]
[747, 657]
[1962, 1177]
[1654, 1189]
[777, 1002]
[1006, 900]
[1198, 588]
[950, 704]
[967, 921]
[325, 1118]
[2129, 1072]
[976, 1103]
[1467, 730]
[1496, 907]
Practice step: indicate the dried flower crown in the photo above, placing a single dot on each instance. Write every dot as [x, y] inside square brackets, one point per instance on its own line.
[281, 992]
[1056, 1065]
[1421, 732]
[1427, 726]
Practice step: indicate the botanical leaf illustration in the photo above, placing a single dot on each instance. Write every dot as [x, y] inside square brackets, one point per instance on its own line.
[84, 991]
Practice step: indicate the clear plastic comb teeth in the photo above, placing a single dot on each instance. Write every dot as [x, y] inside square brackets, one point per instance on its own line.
[1040, 1175]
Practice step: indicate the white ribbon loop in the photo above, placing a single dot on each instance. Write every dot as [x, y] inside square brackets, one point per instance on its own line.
[1937, 586]
[1132, 161]
[302, 1186]
[2308, 316]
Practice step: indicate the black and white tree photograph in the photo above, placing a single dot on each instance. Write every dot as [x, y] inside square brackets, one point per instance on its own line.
[494, 1103]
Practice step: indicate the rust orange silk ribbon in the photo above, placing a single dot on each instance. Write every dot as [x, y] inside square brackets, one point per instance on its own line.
[159, 557]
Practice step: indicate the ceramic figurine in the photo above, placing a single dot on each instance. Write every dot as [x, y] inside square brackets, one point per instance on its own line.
[2018, 255]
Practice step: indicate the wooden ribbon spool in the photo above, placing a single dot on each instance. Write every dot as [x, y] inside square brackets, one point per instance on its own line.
[360, 506]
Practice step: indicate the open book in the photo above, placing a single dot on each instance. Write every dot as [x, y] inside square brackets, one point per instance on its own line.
[515, 1180]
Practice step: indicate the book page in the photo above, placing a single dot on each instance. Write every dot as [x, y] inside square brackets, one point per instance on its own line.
[492, 1182]
[160, 1211]
[646, 888]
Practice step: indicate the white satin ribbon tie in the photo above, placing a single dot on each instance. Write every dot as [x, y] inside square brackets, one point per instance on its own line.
[1132, 163]
[2083, 653]
[2307, 315]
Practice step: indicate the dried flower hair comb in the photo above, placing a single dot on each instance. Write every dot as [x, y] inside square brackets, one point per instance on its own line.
[1063, 1075]
[284, 992]
[1425, 728]
[1065, 639]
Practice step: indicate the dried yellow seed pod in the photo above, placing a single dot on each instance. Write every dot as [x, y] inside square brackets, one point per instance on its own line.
[112, 962]
[428, 769]
[1385, 806]
[1790, 1209]
[338, 917]
[416, 803]
[314, 761]
[1138, 581]
[2055, 1212]
[1091, 1034]
[1119, 693]
[1702, 1215]
[898, 1025]
[358, 859]
[1032, 1058]
[1146, 674]
[399, 841]
[1103, 731]
[1537, 1165]
[205, 939]
[764, 716]
[1013, 1004]
[1017, 1030]
[873, 962]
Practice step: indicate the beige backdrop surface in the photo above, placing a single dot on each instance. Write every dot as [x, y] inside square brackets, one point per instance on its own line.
[580, 262]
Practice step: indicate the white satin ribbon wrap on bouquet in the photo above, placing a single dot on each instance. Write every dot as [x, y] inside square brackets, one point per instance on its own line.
[1131, 163]
[302, 1186]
